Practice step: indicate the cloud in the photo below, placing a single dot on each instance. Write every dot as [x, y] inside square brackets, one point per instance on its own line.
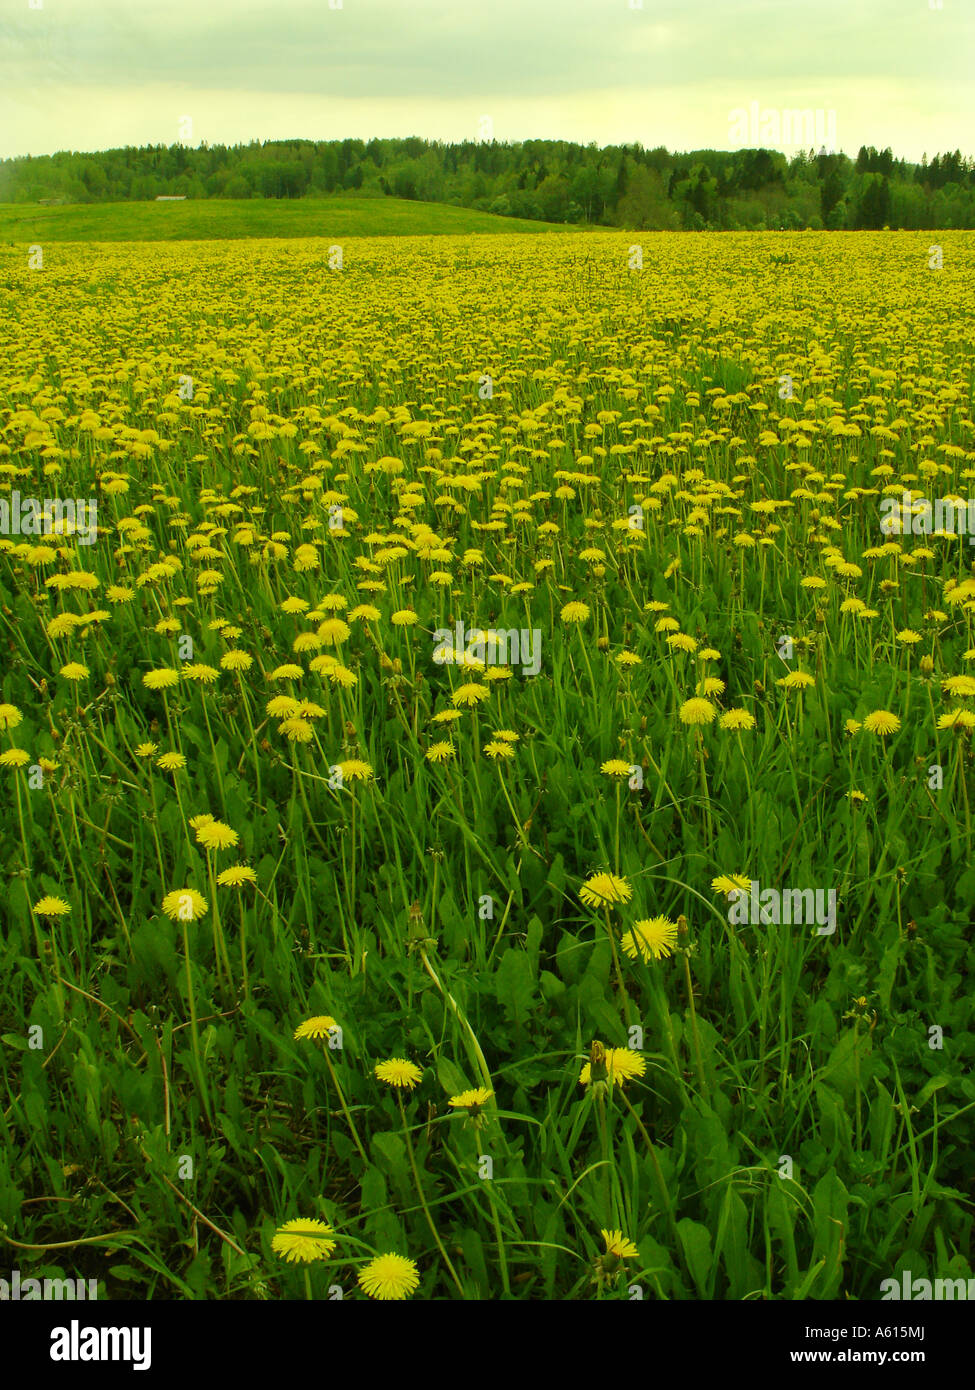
[75, 69]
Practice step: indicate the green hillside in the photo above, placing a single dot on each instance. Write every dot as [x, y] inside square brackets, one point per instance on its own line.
[249, 217]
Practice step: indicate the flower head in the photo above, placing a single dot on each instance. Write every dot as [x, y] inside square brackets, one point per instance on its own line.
[959, 720]
[186, 904]
[471, 1101]
[615, 767]
[440, 752]
[881, 722]
[574, 613]
[10, 717]
[601, 889]
[470, 694]
[400, 1073]
[355, 770]
[161, 679]
[731, 883]
[51, 907]
[303, 1241]
[697, 711]
[200, 672]
[318, 1027]
[389, 1277]
[651, 939]
[737, 719]
[611, 1065]
[236, 875]
[497, 749]
[171, 762]
[797, 680]
[618, 1245]
[215, 835]
[963, 686]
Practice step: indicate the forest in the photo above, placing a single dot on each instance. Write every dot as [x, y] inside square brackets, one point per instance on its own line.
[553, 181]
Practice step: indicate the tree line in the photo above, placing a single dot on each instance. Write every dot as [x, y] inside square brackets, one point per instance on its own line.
[624, 186]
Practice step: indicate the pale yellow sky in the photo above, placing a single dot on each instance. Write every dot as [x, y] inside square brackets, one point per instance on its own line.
[91, 74]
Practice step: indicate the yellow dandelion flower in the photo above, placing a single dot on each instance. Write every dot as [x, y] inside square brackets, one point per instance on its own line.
[303, 1241]
[215, 835]
[10, 717]
[601, 889]
[615, 767]
[498, 750]
[651, 939]
[439, 752]
[616, 1066]
[469, 694]
[618, 1246]
[52, 907]
[697, 711]
[389, 1277]
[236, 875]
[162, 679]
[318, 1027]
[398, 1072]
[960, 720]
[736, 719]
[184, 904]
[575, 612]
[881, 722]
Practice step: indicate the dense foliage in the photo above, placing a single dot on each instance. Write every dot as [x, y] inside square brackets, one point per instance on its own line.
[544, 180]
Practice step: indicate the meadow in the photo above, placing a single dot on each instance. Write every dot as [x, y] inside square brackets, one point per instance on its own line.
[245, 218]
[340, 957]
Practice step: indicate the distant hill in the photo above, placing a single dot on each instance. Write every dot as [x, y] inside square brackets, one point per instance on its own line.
[208, 219]
[556, 181]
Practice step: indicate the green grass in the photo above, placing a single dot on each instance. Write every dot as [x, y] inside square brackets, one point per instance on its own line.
[800, 1116]
[234, 218]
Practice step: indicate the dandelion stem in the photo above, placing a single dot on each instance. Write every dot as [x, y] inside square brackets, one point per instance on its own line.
[423, 1201]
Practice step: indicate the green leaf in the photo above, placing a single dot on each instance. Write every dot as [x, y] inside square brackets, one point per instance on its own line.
[695, 1241]
[451, 1077]
[515, 986]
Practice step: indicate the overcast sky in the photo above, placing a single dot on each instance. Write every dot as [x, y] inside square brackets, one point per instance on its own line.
[92, 74]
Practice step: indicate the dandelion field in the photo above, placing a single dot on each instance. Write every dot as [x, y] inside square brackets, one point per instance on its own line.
[432, 957]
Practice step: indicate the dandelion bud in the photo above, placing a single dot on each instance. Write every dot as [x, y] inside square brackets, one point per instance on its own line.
[927, 665]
